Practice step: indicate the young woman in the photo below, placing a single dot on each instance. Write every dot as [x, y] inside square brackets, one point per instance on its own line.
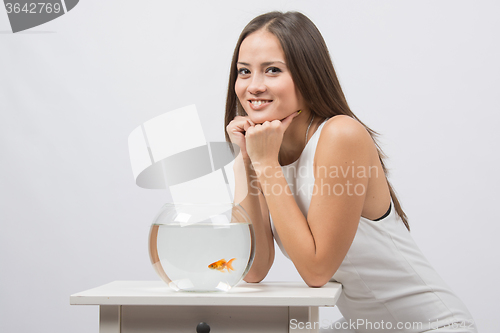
[311, 175]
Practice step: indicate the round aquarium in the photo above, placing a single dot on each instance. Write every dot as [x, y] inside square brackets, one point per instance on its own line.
[202, 247]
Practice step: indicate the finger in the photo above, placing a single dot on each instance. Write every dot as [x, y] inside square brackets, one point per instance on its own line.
[250, 131]
[248, 124]
[238, 125]
[237, 128]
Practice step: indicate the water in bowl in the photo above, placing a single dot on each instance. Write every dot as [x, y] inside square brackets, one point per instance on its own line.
[182, 254]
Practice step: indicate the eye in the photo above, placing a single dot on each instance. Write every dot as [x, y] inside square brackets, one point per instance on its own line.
[243, 71]
[273, 70]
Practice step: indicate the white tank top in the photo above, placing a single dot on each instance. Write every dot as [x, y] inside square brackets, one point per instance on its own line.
[386, 280]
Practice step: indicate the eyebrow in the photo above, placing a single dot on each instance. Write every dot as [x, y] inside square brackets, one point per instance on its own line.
[263, 64]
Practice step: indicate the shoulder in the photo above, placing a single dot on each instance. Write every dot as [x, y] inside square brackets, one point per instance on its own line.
[343, 130]
[344, 140]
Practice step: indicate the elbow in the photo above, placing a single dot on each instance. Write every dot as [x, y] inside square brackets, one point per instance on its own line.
[316, 282]
[317, 279]
[257, 273]
[253, 278]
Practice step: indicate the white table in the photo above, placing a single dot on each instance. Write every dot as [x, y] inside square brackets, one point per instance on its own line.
[151, 306]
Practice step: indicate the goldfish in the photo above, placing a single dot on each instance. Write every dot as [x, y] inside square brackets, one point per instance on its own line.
[221, 264]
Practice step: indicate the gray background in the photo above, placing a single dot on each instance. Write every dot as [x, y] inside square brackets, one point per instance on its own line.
[425, 74]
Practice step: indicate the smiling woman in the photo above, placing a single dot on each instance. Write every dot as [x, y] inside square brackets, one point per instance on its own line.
[286, 111]
[265, 87]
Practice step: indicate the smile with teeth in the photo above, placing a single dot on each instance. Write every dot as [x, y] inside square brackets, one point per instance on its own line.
[259, 102]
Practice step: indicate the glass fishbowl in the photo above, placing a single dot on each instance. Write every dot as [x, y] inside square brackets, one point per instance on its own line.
[201, 247]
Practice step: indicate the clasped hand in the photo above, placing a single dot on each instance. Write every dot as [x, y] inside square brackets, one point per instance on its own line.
[259, 142]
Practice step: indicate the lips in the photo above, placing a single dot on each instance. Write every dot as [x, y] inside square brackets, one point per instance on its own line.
[258, 104]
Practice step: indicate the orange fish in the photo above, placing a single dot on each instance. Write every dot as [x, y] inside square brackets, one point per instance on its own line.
[221, 264]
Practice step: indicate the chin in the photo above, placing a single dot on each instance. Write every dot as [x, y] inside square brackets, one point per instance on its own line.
[261, 117]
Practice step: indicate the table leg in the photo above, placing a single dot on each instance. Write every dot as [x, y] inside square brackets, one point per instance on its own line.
[303, 319]
[110, 318]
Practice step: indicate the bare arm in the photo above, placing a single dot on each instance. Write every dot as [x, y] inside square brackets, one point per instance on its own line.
[255, 205]
[248, 195]
[318, 243]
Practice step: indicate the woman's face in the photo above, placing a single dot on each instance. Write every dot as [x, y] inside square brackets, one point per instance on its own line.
[264, 84]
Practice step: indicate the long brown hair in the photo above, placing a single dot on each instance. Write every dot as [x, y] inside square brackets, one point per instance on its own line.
[309, 62]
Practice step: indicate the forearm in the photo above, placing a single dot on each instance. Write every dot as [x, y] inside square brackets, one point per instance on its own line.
[248, 195]
[290, 223]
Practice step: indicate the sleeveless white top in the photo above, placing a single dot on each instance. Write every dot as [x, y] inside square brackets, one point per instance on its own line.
[386, 280]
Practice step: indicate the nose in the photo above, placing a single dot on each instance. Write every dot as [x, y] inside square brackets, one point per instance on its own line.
[257, 85]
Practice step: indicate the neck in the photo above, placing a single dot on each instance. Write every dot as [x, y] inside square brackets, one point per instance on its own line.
[294, 138]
